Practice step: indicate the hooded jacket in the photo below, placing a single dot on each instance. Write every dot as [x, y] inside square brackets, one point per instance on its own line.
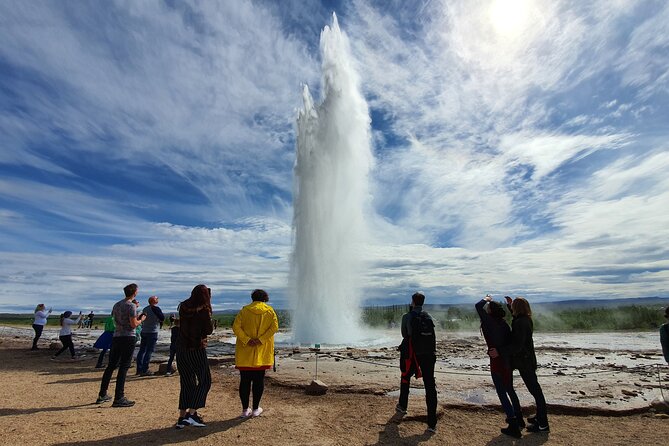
[255, 321]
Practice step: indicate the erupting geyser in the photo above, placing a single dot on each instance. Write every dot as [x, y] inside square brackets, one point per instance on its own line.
[334, 158]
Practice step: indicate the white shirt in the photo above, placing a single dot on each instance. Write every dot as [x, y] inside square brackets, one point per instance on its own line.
[67, 323]
[40, 317]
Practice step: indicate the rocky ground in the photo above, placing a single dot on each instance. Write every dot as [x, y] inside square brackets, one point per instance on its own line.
[51, 402]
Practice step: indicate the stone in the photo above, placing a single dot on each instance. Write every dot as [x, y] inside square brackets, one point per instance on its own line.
[316, 387]
[162, 368]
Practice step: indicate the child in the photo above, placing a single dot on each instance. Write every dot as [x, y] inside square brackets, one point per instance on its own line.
[174, 338]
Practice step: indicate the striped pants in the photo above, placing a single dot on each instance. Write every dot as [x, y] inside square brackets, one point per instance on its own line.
[194, 376]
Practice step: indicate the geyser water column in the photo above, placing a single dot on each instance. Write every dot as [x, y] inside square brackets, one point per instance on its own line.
[331, 196]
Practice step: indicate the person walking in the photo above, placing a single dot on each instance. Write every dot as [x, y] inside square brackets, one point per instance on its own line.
[194, 374]
[41, 316]
[65, 334]
[664, 336]
[498, 334]
[104, 342]
[523, 358]
[149, 335]
[122, 348]
[418, 356]
[254, 326]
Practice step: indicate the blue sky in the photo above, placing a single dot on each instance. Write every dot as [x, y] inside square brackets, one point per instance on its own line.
[521, 147]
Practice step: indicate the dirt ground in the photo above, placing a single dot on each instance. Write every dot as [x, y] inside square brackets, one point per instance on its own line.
[47, 402]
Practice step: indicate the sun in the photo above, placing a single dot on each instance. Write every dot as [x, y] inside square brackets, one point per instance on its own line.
[509, 17]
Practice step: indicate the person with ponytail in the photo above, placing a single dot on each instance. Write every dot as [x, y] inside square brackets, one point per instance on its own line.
[65, 334]
[192, 363]
[40, 321]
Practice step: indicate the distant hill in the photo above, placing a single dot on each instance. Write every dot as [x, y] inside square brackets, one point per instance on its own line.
[660, 302]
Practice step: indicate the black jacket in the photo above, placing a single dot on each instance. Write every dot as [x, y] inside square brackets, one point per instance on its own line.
[521, 347]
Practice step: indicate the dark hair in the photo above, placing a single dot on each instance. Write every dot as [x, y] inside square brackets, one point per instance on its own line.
[199, 298]
[496, 310]
[64, 316]
[666, 312]
[259, 296]
[129, 290]
[418, 299]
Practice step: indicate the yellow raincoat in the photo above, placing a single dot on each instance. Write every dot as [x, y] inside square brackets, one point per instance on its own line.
[255, 321]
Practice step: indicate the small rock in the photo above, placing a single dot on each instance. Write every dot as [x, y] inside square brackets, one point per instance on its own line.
[316, 387]
[663, 416]
[629, 392]
[600, 357]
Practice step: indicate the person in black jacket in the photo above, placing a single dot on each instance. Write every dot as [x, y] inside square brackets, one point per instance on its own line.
[497, 334]
[523, 358]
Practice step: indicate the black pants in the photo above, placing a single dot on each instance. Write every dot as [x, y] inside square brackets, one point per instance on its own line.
[530, 379]
[120, 356]
[67, 343]
[255, 379]
[426, 364]
[194, 377]
[38, 334]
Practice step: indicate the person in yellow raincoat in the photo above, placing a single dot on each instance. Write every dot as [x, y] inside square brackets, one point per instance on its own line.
[254, 327]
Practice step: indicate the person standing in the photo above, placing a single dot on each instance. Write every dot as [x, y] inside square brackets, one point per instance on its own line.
[122, 348]
[104, 342]
[90, 318]
[65, 334]
[664, 337]
[194, 374]
[523, 358]
[174, 341]
[149, 335]
[41, 316]
[418, 356]
[254, 326]
[498, 334]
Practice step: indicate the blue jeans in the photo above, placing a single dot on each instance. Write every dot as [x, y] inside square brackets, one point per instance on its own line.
[146, 347]
[507, 396]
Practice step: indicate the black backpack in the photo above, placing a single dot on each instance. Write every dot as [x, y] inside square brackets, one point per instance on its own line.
[423, 338]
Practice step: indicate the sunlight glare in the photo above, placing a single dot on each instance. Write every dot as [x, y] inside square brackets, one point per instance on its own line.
[509, 16]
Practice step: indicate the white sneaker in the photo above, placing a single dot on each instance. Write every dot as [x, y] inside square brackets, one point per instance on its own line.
[257, 412]
[245, 413]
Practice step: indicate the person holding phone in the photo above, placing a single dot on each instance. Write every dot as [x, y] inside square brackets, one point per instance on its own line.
[65, 334]
[40, 321]
[122, 348]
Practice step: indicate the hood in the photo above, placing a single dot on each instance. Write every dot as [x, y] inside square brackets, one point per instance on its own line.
[258, 307]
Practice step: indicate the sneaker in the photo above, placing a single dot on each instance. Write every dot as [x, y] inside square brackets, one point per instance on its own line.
[431, 430]
[147, 373]
[53, 358]
[181, 423]
[103, 399]
[168, 373]
[257, 412]
[399, 409]
[195, 420]
[99, 366]
[512, 431]
[246, 413]
[123, 402]
[538, 428]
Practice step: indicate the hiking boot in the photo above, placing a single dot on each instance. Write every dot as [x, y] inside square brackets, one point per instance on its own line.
[181, 423]
[256, 412]
[512, 430]
[538, 428]
[246, 413]
[103, 399]
[123, 402]
[400, 410]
